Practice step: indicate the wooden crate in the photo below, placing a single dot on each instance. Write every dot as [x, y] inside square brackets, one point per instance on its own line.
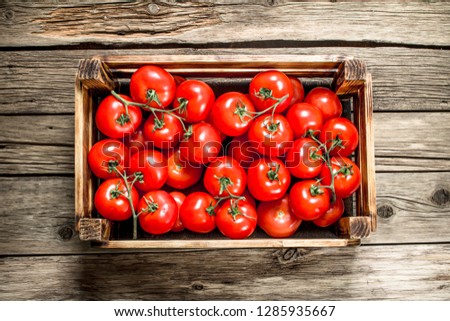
[347, 76]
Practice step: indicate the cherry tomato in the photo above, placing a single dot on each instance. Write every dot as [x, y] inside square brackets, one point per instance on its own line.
[276, 218]
[236, 219]
[197, 212]
[182, 174]
[164, 132]
[196, 99]
[136, 141]
[268, 179]
[299, 91]
[202, 146]
[153, 85]
[273, 137]
[110, 202]
[153, 166]
[105, 155]
[269, 88]
[159, 212]
[223, 176]
[326, 100]
[232, 113]
[243, 150]
[308, 201]
[179, 199]
[303, 117]
[347, 176]
[303, 159]
[343, 129]
[112, 120]
[333, 214]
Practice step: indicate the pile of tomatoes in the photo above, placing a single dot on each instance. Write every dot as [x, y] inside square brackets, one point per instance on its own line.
[176, 156]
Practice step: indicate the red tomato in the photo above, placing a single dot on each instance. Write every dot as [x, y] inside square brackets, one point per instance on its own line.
[243, 150]
[164, 133]
[153, 165]
[303, 117]
[232, 113]
[179, 199]
[277, 219]
[197, 212]
[111, 118]
[299, 91]
[182, 174]
[269, 88]
[111, 204]
[301, 159]
[308, 201]
[347, 176]
[273, 137]
[326, 100]
[196, 100]
[225, 175]
[136, 141]
[178, 79]
[159, 212]
[202, 146]
[105, 155]
[268, 179]
[153, 85]
[333, 214]
[236, 219]
[345, 130]
[249, 198]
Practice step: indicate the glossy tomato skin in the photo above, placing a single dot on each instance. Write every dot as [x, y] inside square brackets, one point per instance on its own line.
[179, 199]
[306, 206]
[238, 226]
[229, 116]
[326, 100]
[161, 219]
[109, 113]
[303, 117]
[271, 143]
[276, 218]
[249, 198]
[203, 146]
[200, 100]
[333, 214]
[261, 182]
[194, 215]
[181, 173]
[105, 151]
[275, 81]
[298, 91]
[228, 171]
[243, 150]
[178, 79]
[153, 165]
[345, 184]
[136, 141]
[166, 137]
[345, 130]
[300, 160]
[114, 207]
[155, 78]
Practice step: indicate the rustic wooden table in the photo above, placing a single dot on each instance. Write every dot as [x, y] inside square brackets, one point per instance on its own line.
[407, 50]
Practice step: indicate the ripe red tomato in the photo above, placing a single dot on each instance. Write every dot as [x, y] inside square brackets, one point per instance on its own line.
[326, 100]
[182, 174]
[111, 118]
[202, 146]
[308, 201]
[249, 198]
[303, 159]
[345, 130]
[158, 212]
[111, 204]
[164, 133]
[268, 179]
[153, 85]
[243, 150]
[333, 214]
[273, 137]
[179, 199]
[136, 141]
[303, 117]
[106, 154]
[225, 175]
[347, 179]
[197, 212]
[232, 113]
[268, 87]
[236, 219]
[153, 165]
[178, 79]
[276, 218]
[299, 91]
[196, 99]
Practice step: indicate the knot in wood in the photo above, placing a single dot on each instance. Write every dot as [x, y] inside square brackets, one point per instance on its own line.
[153, 8]
[441, 197]
[197, 286]
[272, 3]
[65, 233]
[385, 211]
[8, 14]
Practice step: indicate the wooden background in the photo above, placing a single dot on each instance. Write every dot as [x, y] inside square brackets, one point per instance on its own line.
[407, 50]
